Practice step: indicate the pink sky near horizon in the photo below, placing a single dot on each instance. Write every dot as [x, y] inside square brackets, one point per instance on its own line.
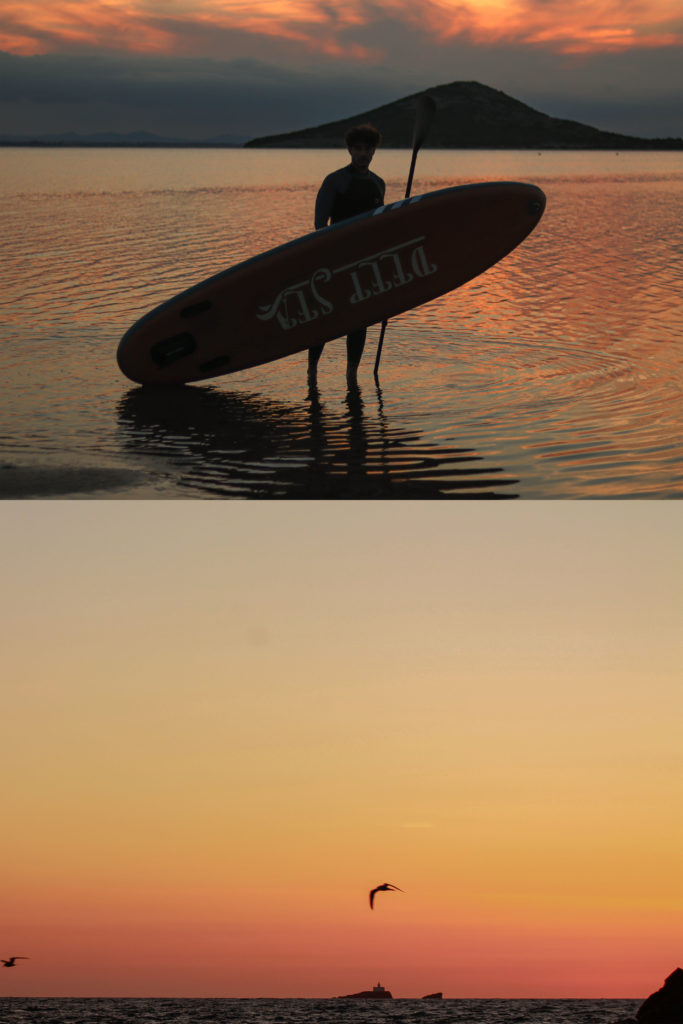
[225, 724]
[187, 28]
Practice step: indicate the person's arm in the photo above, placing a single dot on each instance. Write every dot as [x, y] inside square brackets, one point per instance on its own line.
[325, 201]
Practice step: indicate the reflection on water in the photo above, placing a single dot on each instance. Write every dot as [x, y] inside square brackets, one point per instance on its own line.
[240, 445]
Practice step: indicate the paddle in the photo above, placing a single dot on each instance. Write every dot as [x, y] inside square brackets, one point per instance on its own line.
[424, 116]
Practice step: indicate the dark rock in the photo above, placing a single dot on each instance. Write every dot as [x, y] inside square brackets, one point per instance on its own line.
[665, 1006]
[434, 995]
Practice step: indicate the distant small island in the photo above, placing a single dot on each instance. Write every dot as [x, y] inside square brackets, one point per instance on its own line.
[468, 116]
[380, 992]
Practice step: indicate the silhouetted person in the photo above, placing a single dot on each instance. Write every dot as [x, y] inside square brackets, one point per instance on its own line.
[382, 888]
[345, 193]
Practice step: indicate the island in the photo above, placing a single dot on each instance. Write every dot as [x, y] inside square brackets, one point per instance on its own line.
[380, 992]
[469, 115]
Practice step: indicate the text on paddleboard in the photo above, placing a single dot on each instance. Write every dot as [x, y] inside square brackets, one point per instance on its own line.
[367, 277]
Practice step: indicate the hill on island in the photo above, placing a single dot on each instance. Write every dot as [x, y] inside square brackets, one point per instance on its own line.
[468, 116]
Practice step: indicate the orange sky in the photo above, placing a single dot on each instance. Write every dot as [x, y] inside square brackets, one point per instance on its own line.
[223, 724]
[29, 27]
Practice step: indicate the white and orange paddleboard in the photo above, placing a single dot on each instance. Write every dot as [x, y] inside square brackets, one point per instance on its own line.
[324, 285]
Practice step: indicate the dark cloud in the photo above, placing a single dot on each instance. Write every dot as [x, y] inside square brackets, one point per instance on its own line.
[189, 97]
[636, 92]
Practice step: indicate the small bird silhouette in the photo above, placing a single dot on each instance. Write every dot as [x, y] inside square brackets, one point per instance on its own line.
[13, 959]
[382, 888]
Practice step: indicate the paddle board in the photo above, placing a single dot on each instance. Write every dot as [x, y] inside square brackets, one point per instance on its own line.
[335, 280]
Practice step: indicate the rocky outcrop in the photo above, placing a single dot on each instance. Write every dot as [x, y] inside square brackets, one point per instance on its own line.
[665, 1006]
[434, 995]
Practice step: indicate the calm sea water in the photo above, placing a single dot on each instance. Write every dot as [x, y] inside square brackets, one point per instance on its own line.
[557, 374]
[315, 1011]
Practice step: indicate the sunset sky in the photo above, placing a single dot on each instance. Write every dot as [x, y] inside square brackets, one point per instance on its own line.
[222, 725]
[198, 68]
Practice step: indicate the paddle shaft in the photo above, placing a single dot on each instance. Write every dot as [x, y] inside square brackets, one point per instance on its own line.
[423, 119]
[411, 172]
[385, 322]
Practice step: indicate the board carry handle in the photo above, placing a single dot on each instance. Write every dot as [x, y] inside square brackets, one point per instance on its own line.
[424, 115]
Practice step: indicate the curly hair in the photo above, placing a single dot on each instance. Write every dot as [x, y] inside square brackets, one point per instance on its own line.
[363, 133]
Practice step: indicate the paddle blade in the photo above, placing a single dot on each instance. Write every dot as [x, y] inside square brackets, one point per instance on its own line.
[424, 115]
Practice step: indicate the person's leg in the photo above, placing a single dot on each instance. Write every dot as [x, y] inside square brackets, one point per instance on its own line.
[314, 355]
[355, 343]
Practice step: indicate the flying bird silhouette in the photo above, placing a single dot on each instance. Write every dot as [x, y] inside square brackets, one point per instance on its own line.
[382, 888]
[12, 962]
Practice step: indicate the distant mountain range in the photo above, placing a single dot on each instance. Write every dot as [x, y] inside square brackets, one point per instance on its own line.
[131, 139]
[468, 116]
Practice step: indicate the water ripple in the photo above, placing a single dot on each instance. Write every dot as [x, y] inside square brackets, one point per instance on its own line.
[316, 1011]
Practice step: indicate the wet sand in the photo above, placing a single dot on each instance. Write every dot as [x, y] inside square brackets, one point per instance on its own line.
[35, 481]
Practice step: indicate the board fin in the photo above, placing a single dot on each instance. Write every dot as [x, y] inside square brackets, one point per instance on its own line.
[217, 364]
[169, 350]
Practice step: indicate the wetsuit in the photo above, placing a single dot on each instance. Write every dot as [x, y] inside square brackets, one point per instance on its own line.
[346, 193]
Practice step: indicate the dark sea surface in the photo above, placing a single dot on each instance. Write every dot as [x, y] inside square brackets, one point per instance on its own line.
[315, 1011]
[557, 374]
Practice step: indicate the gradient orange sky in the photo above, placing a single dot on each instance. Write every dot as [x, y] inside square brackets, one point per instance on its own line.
[223, 724]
